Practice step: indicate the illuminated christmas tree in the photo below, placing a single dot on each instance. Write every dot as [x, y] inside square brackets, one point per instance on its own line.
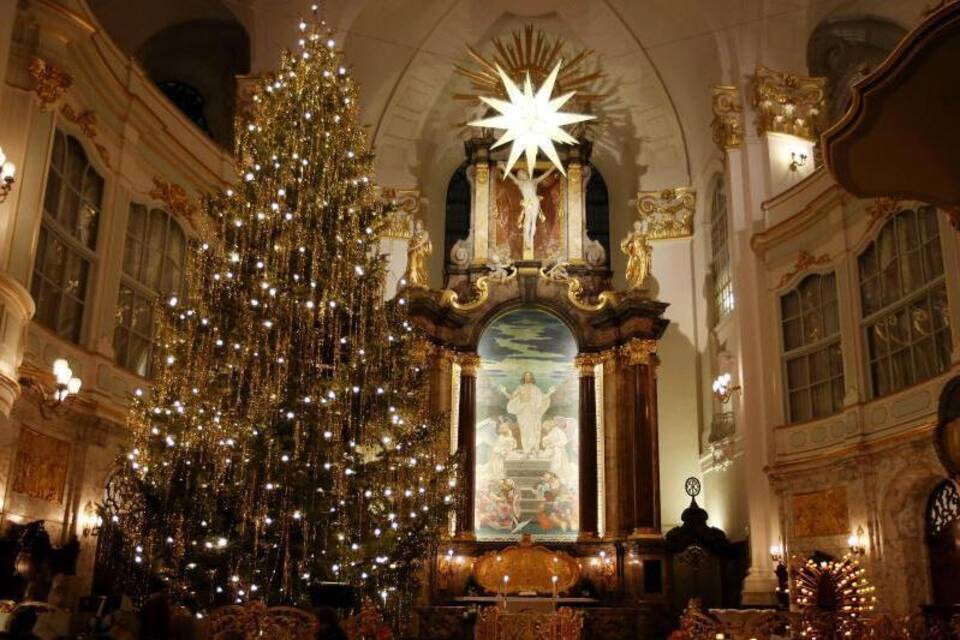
[287, 440]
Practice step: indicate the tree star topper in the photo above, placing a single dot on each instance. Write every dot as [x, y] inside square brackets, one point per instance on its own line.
[532, 121]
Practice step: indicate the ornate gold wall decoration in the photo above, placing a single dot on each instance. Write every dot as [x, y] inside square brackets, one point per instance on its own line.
[49, 83]
[881, 209]
[530, 569]
[804, 261]
[727, 117]
[449, 297]
[639, 351]
[788, 103]
[40, 468]
[399, 223]
[87, 121]
[667, 213]
[821, 513]
[557, 272]
[174, 198]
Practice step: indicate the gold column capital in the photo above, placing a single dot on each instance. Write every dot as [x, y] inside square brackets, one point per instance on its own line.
[469, 363]
[788, 103]
[586, 362]
[639, 351]
[727, 117]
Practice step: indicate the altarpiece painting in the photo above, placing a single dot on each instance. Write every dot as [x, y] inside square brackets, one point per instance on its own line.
[527, 457]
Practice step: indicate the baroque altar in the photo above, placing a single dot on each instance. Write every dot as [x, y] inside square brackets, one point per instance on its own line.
[548, 375]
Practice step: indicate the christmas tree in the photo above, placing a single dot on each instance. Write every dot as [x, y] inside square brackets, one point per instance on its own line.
[287, 440]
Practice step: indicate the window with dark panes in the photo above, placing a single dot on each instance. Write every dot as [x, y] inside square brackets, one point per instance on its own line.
[153, 264]
[903, 299]
[68, 239]
[812, 355]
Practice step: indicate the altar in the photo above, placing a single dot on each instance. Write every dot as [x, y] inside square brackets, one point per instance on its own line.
[547, 374]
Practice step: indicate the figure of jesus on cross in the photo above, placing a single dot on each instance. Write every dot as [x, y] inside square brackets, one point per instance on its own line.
[530, 210]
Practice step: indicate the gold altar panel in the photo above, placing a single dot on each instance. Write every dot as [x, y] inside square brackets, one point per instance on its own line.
[494, 623]
[40, 468]
[530, 569]
[822, 513]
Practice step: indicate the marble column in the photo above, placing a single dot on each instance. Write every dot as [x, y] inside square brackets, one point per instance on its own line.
[586, 364]
[469, 363]
[640, 379]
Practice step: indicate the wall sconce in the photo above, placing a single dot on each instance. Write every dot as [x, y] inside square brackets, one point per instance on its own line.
[8, 171]
[66, 385]
[723, 387]
[91, 521]
[783, 576]
[776, 553]
[857, 542]
[797, 160]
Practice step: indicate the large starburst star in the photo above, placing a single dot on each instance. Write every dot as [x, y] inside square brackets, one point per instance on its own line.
[532, 121]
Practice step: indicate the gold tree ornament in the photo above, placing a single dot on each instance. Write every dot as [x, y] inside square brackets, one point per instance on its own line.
[287, 440]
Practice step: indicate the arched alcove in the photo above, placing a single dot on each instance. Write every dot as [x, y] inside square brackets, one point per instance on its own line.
[457, 211]
[844, 49]
[598, 211]
[527, 432]
[196, 64]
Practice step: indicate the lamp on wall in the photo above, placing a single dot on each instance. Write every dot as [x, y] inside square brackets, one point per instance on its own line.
[8, 172]
[66, 385]
[797, 160]
[723, 387]
[857, 542]
[91, 522]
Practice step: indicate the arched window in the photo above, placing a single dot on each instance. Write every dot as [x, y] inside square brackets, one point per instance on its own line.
[68, 238]
[598, 211]
[903, 299]
[812, 357]
[722, 293]
[457, 220]
[153, 264]
[196, 63]
[844, 50]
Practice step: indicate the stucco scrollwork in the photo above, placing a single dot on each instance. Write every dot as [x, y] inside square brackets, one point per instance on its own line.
[49, 83]
[667, 213]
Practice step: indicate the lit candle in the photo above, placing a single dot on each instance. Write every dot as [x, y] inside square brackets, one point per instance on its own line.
[554, 579]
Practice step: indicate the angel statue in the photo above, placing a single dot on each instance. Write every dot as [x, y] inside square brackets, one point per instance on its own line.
[531, 213]
[639, 255]
[418, 251]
